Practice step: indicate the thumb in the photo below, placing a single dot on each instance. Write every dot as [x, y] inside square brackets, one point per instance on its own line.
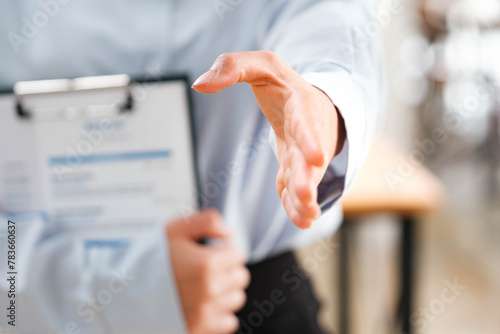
[223, 73]
[207, 223]
[254, 67]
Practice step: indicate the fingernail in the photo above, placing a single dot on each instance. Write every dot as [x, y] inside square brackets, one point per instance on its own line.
[205, 77]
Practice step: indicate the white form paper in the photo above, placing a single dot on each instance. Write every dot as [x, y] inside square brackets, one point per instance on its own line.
[99, 172]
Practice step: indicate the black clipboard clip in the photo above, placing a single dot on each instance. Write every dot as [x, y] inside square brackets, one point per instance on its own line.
[26, 89]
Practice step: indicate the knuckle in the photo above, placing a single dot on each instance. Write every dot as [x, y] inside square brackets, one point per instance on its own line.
[246, 277]
[211, 263]
[234, 324]
[211, 223]
[225, 59]
[241, 256]
[268, 55]
[175, 227]
[212, 216]
[241, 299]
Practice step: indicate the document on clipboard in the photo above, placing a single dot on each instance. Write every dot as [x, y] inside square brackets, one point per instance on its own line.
[100, 155]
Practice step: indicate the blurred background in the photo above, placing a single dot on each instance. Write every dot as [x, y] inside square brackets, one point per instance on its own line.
[443, 117]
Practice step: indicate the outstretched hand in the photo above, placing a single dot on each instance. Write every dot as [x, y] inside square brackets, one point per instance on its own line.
[309, 130]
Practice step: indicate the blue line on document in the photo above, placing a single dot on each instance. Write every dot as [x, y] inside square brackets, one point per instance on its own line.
[114, 157]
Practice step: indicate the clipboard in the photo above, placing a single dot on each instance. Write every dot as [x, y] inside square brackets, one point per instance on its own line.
[101, 156]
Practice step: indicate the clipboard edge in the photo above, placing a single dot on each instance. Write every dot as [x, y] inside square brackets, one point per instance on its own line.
[190, 103]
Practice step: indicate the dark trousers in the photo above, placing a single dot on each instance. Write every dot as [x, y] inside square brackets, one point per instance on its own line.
[280, 299]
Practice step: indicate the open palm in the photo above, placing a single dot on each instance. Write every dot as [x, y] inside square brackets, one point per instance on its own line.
[309, 130]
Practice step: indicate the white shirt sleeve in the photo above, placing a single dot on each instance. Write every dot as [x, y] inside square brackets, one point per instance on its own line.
[321, 41]
[70, 284]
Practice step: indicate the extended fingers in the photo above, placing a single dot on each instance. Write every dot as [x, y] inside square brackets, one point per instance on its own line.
[304, 125]
[292, 212]
[299, 187]
[280, 177]
[300, 176]
[309, 210]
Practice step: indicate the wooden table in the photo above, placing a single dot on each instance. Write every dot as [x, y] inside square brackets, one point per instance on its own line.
[390, 181]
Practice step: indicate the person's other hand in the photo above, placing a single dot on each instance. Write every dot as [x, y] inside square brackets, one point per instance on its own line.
[309, 130]
[211, 280]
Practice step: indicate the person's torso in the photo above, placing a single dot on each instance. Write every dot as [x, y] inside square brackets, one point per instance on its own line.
[147, 38]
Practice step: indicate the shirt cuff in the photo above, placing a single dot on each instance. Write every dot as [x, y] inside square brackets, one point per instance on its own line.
[331, 187]
[339, 86]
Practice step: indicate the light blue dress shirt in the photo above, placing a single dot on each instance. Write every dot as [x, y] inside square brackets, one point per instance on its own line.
[68, 285]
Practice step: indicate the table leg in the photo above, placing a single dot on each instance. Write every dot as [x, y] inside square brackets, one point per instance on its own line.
[344, 308]
[407, 271]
